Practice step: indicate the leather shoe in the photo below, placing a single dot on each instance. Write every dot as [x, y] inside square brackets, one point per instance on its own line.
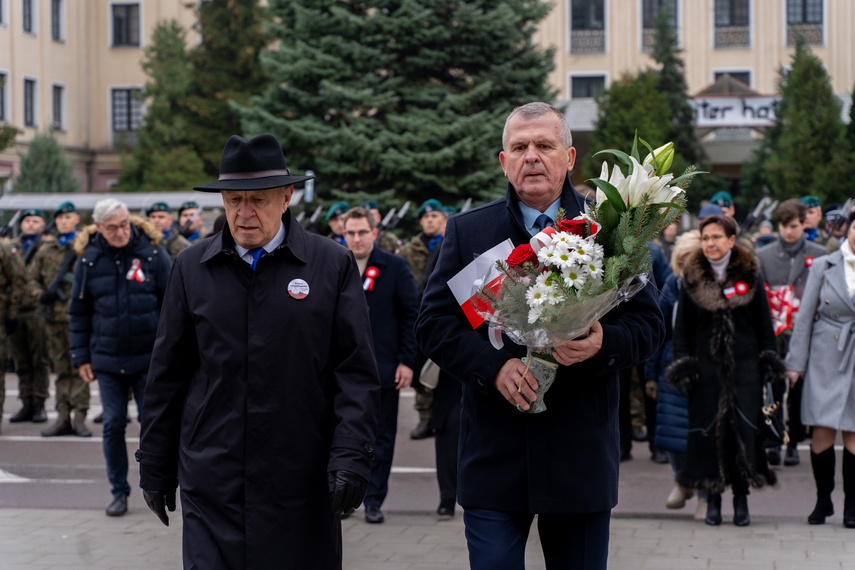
[713, 517]
[792, 457]
[373, 514]
[25, 414]
[59, 427]
[659, 456]
[119, 506]
[625, 453]
[99, 419]
[446, 509]
[740, 510]
[639, 433]
[773, 456]
[422, 431]
[80, 429]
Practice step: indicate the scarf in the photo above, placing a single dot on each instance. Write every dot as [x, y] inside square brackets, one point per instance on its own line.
[793, 250]
[848, 266]
[65, 238]
[720, 266]
[811, 234]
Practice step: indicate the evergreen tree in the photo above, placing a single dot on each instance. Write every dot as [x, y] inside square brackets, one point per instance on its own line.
[7, 132]
[225, 69]
[44, 168]
[401, 94]
[802, 148]
[163, 159]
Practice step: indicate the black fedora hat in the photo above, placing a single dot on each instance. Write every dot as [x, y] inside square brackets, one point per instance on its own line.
[255, 164]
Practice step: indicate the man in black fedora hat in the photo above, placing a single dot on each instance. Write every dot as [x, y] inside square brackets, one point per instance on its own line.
[268, 425]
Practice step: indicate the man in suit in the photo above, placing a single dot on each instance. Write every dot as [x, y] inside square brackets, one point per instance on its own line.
[562, 464]
[391, 296]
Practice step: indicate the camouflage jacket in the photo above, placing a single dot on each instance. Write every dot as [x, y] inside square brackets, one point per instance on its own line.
[40, 274]
[416, 253]
[174, 243]
[388, 242]
[11, 282]
[25, 301]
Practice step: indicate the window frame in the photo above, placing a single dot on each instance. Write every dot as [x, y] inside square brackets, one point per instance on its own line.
[643, 29]
[57, 20]
[29, 17]
[31, 106]
[4, 96]
[592, 75]
[572, 19]
[62, 104]
[731, 10]
[804, 10]
[733, 71]
[131, 102]
[112, 37]
[4, 13]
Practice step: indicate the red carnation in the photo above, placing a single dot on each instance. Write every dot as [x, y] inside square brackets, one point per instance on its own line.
[577, 227]
[520, 255]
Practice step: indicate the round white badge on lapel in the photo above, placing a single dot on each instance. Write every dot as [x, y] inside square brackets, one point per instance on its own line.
[298, 289]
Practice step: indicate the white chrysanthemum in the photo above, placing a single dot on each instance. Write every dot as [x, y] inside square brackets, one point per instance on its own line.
[556, 296]
[594, 269]
[597, 251]
[546, 254]
[534, 313]
[543, 278]
[536, 295]
[565, 257]
[574, 277]
[584, 253]
[561, 238]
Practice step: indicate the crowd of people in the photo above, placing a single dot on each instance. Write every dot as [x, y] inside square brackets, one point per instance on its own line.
[731, 320]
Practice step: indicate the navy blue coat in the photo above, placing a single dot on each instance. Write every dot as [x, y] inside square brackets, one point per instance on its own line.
[112, 319]
[564, 460]
[392, 308]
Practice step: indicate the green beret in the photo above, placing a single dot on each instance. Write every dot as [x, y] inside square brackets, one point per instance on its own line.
[449, 211]
[65, 208]
[187, 205]
[432, 205]
[158, 207]
[337, 209]
[810, 201]
[32, 212]
[370, 205]
[722, 199]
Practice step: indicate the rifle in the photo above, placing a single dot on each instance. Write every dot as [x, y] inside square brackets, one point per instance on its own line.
[755, 216]
[185, 229]
[466, 205]
[394, 218]
[311, 224]
[54, 287]
[300, 217]
[387, 219]
[6, 230]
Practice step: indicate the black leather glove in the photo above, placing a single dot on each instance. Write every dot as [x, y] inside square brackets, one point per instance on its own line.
[11, 325]
[159, 501]
[347, 489]
[47, 298]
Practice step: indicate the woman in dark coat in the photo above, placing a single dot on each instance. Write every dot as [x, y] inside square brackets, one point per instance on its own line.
[724, 347]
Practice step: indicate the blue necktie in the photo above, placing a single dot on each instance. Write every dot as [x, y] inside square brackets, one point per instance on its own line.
[542, 221]
[256, 254]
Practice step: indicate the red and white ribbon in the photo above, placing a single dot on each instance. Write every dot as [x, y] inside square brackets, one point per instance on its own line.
[371, 274]
[739, 288]
[542, 239]
[808, 261]
[135, 273]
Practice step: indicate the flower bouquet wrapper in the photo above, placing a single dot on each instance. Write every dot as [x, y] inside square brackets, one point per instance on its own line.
[544, 369]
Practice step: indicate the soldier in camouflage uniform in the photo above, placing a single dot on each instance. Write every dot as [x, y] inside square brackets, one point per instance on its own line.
[49, 278]
[161, 217]
[813, 218]
[29, 341]
[335, 219]
[197, 230]
[387, 241]
[11, 281]
[416, 252]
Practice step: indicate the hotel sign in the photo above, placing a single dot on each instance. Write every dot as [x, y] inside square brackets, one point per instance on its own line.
[733, 111]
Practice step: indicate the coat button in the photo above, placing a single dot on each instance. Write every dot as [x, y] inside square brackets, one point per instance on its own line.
[138, 455]
[835, 337]
[369, 449]
[122, 371]
[480, 382]
[612, 362]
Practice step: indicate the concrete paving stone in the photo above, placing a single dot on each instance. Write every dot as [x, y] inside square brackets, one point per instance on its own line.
[741, 565]
[829, 544]
[665, 563]
[796, 565]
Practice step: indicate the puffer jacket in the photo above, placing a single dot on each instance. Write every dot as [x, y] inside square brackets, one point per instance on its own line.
[114, 310]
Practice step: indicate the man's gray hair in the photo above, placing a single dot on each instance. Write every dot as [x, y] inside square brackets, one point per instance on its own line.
[108, 208]
[533, 111]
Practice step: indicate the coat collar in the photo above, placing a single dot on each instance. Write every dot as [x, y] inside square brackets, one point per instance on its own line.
[376, 257]
[707, 291]
[836, 277]
[572, 202]
[294, 243]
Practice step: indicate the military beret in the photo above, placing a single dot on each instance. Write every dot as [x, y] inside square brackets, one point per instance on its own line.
[810, 201]
[449, 211]
[722, 198]
[32, 212]
[64, 208]
[370, 205]
[834, 216]
[432, 205]
[337, 209]
[187, 205]
[710, 210]
[158, 207]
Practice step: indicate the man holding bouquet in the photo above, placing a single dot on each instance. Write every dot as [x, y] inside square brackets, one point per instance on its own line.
[562, 464]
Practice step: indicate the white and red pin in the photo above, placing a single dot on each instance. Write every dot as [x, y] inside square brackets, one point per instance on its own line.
[135, 273]
[808, 261]
[739, 288]
[298, 289]
[371, 274]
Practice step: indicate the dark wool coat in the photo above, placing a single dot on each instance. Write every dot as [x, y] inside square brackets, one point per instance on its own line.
[564, 460]
[253, 396]
[723, 349]
[113, 319]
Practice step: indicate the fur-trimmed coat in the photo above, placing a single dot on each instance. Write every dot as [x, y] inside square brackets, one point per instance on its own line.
[112, 314]
[723, 348]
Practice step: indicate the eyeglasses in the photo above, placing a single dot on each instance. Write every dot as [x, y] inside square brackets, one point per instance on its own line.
[360, 233]
[113, 228]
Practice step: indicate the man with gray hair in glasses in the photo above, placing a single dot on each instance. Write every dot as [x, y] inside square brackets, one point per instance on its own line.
[119, 279]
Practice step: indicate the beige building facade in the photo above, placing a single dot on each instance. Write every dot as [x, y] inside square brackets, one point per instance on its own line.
[598, 41]
[73, 66]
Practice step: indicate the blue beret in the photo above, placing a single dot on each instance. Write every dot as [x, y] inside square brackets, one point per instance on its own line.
[432, 205]
[337, 209]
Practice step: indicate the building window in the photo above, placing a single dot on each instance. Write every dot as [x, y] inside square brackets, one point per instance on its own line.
[56, 20]
[587, 25]
[126, 24]
[58, 103]
[29, 103]
[804, 18]
[3, 78]
[27, 15]
[2, 11]
[587, 86]
[127, 110]
[731, 24]
[649, 14]
[743, 76]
